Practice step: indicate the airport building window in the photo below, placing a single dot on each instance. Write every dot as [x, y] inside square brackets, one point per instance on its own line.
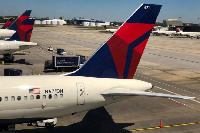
[13, 98]
[31, 97]
[44, 96]
[25, 97]
[18, 98]
[37, 96]
[0, 99]
[55, 96]
[50, 96]
[6, 98]
[61, 95]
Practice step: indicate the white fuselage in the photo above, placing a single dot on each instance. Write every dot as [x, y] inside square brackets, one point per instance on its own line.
[164, 32]
[59, 95]
[13, 46]
[111, 30]
[6, 33]
[190, 34]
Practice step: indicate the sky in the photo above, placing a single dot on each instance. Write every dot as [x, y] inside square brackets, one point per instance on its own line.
[106, 10]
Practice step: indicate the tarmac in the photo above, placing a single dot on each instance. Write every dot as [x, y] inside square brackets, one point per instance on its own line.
[171, 64]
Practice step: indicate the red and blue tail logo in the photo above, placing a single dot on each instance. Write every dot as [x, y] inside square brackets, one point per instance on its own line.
[120, 55]
[7, 24]
[24, 32]
[15, 25]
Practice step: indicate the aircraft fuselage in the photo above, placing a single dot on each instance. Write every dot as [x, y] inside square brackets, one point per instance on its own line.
[53, 96]
[13, 46]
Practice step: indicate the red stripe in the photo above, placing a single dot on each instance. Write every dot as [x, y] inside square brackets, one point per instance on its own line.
[137, 53]
[29, 37]
[21, 19]
[22, 32]
[118, 49]
[120, 41]
[8, 23]
[126, 31]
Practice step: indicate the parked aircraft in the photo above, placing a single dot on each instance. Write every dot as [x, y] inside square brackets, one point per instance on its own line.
[7, 33]
[7, 24]
[107, 77]
[110, 30]
[164, 31]
[189, 34]
[19, 41]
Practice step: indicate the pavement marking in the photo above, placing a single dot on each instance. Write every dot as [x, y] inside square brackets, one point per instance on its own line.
[176, 94]
[170, 99]
[177, 125]
[44, 49]
[170, 86]
[173, 58]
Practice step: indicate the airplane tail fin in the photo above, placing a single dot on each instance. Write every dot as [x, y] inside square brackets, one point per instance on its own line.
[15, 25]
[24, 31]
[119, 56]
[8, 23]
[178, 30]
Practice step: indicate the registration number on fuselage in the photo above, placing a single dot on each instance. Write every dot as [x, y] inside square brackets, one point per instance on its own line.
[53, 91]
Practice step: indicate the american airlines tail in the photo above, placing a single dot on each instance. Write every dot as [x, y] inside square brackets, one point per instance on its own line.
[7, 24]
[119, 56]
[15, 25]
[24, 31]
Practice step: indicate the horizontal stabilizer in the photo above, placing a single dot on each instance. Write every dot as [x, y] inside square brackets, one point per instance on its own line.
[129, 92]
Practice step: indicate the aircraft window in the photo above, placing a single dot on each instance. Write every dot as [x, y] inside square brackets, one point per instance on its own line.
[55, 96]
[38, 97]
[13, 98]
[18, 98]
[61, 95]
[25, 97]
[50, 96]
[0, 99]
[31, 97]
[6, 98]
[44, 96]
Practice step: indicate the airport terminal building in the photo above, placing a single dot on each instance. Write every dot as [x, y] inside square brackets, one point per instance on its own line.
[172, 22]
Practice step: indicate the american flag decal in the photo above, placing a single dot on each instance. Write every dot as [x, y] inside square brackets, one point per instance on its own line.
[34, 91]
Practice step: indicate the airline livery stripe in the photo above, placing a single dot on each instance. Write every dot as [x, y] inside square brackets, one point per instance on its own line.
[130, 51]
[137, 53]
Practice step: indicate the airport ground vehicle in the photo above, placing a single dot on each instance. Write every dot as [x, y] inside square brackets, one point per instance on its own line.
[8, 57]
[12, 72]
[50, 49]
[61, 51]
[47, 123]
[44, 123]
[63, 63]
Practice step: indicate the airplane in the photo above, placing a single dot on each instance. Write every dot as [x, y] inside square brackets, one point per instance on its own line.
[106, 78]
[19, 41]
[7, 33]
[7, 24]
[110, 30]
[189, 34]
[164, 32]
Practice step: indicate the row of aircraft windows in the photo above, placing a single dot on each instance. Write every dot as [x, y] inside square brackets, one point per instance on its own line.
[18, 98]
